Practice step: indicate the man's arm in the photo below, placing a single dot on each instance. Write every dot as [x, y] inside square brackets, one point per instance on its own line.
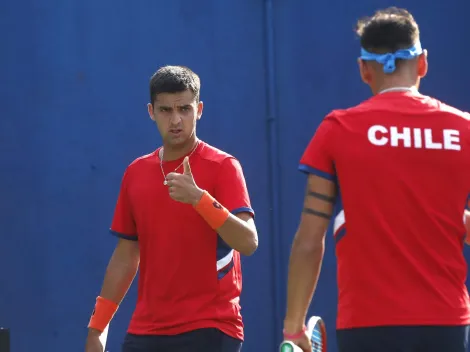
[238, 228]
[307, 250]
[466, 219]
[120, 272]
[239, 232]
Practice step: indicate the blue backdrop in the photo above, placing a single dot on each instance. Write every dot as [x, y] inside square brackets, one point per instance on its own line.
[73, 94]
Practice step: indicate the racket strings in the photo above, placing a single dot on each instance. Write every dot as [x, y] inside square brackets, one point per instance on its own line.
[317, 340]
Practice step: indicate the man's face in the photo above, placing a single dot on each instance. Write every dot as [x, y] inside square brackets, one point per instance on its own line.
[175, 115]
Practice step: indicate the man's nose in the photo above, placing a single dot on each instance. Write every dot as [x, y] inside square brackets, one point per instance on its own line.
[175, 118]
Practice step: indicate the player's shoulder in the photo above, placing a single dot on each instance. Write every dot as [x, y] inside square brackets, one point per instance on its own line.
[338, 114]
[450, 110]
[337, 117]
[214, 155]
[364, 107]
[142, 162]
[375, 106]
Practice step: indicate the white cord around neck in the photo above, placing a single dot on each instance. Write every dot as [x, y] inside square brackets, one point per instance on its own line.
[398, 89]
[165, 181]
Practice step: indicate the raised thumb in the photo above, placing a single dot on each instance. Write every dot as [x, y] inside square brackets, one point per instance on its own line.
[187, 168]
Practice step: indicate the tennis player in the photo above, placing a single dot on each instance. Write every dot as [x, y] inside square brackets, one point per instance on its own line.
[393, 173]
[184, 216]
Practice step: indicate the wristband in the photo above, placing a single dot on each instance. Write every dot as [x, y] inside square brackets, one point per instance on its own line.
[295, 336]
[102, 314]
[211, 211]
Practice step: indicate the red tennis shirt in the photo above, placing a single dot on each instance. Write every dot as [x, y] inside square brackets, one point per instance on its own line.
[189, 277]
[401, 161]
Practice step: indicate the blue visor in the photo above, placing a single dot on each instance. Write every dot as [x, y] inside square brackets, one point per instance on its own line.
[388, 59]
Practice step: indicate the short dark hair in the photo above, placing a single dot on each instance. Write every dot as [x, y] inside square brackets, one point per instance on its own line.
[174, 79]
[388, 31]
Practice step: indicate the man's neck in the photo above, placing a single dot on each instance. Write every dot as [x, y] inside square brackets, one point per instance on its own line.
[398, 89]
[174, 153]
[395, 84]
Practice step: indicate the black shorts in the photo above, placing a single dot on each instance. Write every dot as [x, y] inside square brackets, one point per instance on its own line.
[404, 339]
[201, 340]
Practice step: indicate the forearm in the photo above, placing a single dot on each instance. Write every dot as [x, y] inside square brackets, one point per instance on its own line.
[239, 235]
[238, 231]
[304, 271]
[120, 273]
[118, 278]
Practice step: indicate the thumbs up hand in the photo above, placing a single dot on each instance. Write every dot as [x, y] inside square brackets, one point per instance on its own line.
[187, 167]
[182, 187]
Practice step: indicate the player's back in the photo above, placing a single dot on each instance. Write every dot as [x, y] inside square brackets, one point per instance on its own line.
[403, 167]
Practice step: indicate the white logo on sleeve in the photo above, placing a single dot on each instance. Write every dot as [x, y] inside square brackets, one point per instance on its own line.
[417, 138]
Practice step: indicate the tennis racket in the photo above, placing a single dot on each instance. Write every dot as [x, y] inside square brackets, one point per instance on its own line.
[317, 332]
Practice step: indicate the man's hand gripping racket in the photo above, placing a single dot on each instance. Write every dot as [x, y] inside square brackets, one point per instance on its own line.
[97, 343]
[316, 334]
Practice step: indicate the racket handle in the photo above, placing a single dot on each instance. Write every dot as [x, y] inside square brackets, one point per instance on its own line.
[103, 337]
[288, 346]
[4, 340]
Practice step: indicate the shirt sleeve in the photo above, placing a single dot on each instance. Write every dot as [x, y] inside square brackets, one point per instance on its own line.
[318, 156]
[231, 190]
[123, 224]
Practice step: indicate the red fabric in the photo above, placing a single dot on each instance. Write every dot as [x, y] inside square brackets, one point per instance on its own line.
[402, 164]
[180, 286]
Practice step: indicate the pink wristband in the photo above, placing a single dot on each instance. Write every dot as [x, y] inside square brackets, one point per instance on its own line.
[296, 335]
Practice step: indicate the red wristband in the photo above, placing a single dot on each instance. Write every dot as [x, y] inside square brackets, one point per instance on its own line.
[102, 314]
[212, 211]
[295, 336]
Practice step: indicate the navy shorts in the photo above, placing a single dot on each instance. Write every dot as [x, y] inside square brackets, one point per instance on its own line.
[201, 340]
[404, 339]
